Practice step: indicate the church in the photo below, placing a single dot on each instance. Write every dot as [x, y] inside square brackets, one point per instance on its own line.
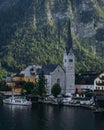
[54, 73]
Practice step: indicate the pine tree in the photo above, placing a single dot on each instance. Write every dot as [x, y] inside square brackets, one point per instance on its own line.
[41, 84]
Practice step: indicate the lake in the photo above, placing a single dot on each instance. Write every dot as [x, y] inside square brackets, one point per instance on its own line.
[48, 117]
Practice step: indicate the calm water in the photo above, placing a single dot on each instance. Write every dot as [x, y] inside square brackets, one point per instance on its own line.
[46, 117]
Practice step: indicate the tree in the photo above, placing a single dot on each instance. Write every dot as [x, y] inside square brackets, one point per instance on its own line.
[4, 87]
[29, 86]
[35, 90]
[41, 84]
[89, 94]
[56, 89]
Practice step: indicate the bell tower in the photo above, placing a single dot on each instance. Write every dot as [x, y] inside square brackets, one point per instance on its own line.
[69, 65]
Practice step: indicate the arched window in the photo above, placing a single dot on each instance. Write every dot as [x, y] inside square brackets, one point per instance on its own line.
[58, 81]
[65, 60]
[70, 60]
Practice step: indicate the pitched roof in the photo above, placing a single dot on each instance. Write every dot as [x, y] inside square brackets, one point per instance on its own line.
[86, 78]
[49, 68]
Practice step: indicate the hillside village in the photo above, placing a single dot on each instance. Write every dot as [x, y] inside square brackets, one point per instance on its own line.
[54, 73]
[70, 83]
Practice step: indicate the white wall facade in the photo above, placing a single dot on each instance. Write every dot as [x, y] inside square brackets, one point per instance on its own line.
[98, 81]
[58, 76]
[69, 66]
[28, 71]
[48, 84]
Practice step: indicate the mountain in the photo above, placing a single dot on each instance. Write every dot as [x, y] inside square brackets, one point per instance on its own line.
[35, 32]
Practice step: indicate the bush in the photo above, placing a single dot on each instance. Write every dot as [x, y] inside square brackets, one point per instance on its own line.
[56, 89]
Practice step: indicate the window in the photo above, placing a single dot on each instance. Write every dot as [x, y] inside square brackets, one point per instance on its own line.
[70, 60]
[65, 60]
[58, 81]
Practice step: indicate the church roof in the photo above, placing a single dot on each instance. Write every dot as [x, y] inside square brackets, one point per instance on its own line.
[49, 68]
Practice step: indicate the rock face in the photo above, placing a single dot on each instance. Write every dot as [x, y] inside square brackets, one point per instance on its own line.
[35, 32]
[89, 24]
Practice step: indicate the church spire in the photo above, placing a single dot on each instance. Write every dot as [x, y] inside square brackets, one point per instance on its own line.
[69, 44]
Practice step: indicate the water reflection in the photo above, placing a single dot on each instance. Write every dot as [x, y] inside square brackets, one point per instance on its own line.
[16, 107]
[99, 121]
[15, 117]
[64, 118]
[47, 117]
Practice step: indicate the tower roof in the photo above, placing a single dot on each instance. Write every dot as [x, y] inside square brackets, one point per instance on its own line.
[69, 44]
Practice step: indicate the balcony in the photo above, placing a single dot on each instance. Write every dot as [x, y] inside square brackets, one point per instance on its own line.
[100, 83]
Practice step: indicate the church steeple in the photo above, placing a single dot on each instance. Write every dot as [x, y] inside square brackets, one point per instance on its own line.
[69, 64]
[69, 44]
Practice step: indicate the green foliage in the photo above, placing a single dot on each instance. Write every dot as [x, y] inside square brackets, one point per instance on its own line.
[35, 31]
[35, 89]
[38, 88]
[3, 73]
[29, 86]
[3, 87]
[98, 9]
[41, 84]
[89, 94]
[56, 89]
[1, 84]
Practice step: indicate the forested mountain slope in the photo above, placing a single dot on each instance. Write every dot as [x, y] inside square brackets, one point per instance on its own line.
[35, 32]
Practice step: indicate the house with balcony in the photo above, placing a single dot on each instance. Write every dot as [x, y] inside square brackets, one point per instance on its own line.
[85, 81]
[16, 82]
[99, 84]
[99, 90]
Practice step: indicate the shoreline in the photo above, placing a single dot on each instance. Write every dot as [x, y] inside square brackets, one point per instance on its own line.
[68, 105]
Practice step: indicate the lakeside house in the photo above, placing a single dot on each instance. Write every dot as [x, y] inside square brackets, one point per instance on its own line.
[16, 82]
[54, 73]
[85, 80]
[99, 83]
[99, 90]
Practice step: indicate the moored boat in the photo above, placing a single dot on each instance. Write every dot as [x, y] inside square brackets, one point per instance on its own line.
[17, 101]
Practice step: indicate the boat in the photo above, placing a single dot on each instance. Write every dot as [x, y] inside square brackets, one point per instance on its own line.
[17, 101]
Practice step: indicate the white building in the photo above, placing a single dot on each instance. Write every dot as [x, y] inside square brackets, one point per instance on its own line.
[54, 74]
[85, 81]
[99, 82]
[31, 70]
[69, 67]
